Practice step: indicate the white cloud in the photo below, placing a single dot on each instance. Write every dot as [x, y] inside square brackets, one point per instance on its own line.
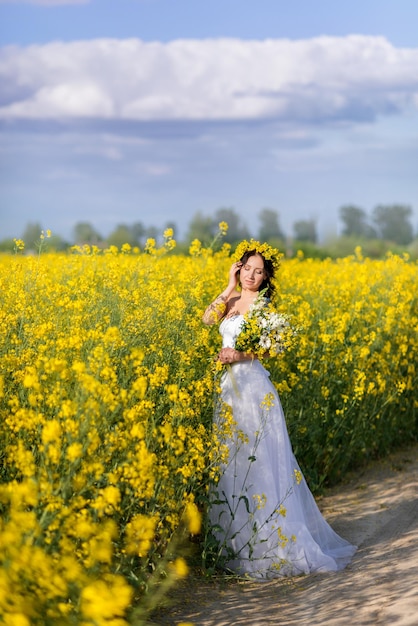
[327, 78]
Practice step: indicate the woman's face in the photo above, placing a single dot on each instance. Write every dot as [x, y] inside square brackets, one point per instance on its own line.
[252, 273]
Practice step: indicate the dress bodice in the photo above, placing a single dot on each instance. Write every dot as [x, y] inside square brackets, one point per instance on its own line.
[230, 328]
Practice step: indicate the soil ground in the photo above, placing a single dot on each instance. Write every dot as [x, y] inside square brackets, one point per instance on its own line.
[377, 510]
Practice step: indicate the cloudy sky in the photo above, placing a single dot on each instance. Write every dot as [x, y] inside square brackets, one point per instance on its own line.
[154, 110]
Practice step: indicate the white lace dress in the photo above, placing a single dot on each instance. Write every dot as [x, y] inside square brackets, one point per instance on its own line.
[262, 511]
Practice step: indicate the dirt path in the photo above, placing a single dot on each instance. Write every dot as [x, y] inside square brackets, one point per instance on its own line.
[377, 510]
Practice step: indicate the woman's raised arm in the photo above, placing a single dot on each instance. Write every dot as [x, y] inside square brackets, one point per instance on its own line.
[219, 307]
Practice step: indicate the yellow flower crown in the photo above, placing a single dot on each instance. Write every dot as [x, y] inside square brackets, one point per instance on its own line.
[268, 252]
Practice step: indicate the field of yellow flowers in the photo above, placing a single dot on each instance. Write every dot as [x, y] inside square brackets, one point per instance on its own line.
[106, 397]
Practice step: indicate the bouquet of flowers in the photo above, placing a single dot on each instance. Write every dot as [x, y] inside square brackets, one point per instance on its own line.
[264, 331]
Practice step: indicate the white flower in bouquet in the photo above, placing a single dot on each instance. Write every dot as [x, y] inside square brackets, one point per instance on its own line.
[264, 331]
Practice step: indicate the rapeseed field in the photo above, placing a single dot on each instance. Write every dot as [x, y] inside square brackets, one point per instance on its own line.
[107, 384]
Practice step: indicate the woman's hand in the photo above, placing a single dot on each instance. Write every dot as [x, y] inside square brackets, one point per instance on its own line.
[233, 274]
[229, 355]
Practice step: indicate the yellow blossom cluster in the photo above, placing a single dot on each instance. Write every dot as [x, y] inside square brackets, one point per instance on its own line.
[268, 252]
[349, 384]
[107, 382]
[105, 429]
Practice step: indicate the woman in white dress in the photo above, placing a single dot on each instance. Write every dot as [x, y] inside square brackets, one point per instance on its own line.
[262, 512]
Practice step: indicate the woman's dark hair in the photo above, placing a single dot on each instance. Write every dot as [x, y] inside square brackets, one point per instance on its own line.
[267, 283]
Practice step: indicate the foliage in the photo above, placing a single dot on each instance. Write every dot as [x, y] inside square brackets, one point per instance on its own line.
[237, 230]
[348, 387]
[341, 247]
[84, 232]
[31, 234]
[105, 430]
[393, 222]
[392, 230]
[305, 230]
[106, 400]
[355, 223]
[270, 226]
[122, 234]
[202, 228]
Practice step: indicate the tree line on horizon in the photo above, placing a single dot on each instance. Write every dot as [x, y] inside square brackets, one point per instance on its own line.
[387, 224]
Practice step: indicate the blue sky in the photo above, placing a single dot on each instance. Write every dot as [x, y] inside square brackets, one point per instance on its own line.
[154, 110]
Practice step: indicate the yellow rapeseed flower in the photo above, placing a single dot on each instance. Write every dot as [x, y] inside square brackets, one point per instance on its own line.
[180, 567]
[140, 534]
[51, 432]
[104, 600]
[193, 518]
